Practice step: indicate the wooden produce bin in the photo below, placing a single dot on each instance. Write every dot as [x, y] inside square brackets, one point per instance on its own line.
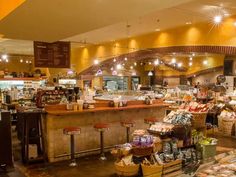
[152, 170]
[173, 168]
[126, 170]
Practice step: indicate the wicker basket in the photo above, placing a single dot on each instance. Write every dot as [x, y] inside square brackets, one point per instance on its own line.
[126, 170]
[152, 170]
[142, 151]
[199, 120]
[228, 127]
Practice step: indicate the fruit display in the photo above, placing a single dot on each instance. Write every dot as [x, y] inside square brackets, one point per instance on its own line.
[226, 114]
[208, 141]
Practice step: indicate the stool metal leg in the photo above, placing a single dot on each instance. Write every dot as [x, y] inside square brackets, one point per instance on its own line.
[72, 151]
[102, 157]
[127, 134]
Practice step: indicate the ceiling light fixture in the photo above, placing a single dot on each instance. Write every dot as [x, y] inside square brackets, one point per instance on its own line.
[150, 73]
[131, 67]
[179, 65]
[126, 59]
[0, 60]
[123, 64]
[4, 56]
[173, 61]
[149, 63]
[205, 62]
[135, 64]
[217, 19]
[193, 54]
[156, 62]
[190, 64]
[119, 66]
[21, 60]
[26, 61]
[191, 58]
[96, 62]
[114, 60]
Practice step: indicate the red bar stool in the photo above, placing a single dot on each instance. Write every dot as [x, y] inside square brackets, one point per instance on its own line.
[101, 127]
[128, 124]
[150, 121]
[72, 131]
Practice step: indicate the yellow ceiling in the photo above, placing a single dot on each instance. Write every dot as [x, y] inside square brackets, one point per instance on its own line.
[7, 6]
[52, 20]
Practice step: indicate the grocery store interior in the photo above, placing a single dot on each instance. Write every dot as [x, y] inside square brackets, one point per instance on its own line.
[102, 88]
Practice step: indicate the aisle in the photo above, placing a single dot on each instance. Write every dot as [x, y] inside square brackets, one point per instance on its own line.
[92, 167]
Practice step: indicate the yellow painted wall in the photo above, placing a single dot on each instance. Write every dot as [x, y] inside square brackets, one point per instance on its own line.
[197, 34]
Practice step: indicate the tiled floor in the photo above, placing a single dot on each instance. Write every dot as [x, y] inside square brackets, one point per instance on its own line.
[90, 166]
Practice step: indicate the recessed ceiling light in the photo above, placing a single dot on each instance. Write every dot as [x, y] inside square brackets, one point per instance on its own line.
[157, 29]
[191, 58]
[205, 62]
[217, 19]
[21, 60]
[135, 64]
[193, 54]
[96, 62]
[190, 64]
[188, 23]
[179, 65]
[131, 67]
[126, 59]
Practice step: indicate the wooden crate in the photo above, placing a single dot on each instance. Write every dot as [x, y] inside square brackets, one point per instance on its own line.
[152, 170]
[172, 168]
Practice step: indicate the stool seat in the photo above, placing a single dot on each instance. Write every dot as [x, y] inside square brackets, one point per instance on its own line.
[71, 130]
[101, 126]
[127, 123]
[151, 120]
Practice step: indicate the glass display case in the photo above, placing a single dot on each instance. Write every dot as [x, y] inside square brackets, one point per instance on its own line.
[113, 83]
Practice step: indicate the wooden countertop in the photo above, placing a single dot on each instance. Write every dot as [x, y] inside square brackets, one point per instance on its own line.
[100, 109]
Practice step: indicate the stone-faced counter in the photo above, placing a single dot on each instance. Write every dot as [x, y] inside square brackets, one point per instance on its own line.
[88, 142]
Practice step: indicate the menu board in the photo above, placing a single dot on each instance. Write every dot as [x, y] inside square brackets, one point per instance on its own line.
[52, 55]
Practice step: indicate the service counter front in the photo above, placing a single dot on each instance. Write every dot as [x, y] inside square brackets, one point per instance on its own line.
[57, 117]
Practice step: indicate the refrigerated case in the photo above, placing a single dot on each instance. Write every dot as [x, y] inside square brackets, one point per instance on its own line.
[113, 83]
[20, 83]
